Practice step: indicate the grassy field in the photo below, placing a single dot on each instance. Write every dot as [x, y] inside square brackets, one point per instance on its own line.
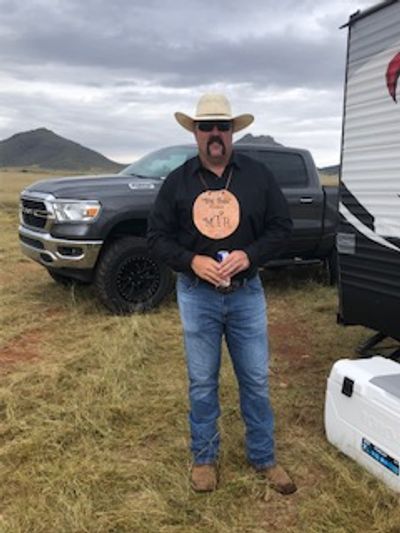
[93, 413]
[329, 181]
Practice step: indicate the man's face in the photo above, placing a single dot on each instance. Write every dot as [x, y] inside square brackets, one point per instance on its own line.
[214, 140]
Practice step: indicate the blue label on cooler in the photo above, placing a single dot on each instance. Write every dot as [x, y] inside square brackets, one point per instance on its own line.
[380, 456]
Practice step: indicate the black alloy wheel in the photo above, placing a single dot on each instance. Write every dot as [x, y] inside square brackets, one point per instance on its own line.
[128, 279]
[138, 278]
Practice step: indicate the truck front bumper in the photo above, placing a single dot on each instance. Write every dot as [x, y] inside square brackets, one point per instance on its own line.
[58, 253]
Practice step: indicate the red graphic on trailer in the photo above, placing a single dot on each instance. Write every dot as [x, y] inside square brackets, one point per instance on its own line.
[392, 76]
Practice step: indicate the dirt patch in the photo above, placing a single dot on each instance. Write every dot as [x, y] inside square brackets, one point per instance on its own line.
[20, 270]
[290, 339]
[25, 347]
[279, 513]
[28, 345]
[291, 348]
[54, 313]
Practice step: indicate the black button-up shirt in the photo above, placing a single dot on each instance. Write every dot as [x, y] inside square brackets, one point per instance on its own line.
[264, 228]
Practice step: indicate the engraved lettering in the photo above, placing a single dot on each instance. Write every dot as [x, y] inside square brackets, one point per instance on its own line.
[216, 214]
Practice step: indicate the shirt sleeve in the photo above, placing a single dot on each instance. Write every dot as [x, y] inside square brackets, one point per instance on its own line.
[277, 227]
[162, 232]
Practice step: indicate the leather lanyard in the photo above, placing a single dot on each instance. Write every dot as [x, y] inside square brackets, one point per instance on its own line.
[228, 181]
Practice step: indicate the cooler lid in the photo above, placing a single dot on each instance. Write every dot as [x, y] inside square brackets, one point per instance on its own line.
[356, 375]
[376, 379]
[390, 383]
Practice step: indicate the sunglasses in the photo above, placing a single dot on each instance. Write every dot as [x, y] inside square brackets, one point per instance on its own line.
[209, 125]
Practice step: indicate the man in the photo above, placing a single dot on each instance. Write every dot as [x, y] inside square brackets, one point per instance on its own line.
[222, 201]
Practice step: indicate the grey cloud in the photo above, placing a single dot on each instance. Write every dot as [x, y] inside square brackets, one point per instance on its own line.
[171, 43]
[131, 63]
[258, 60]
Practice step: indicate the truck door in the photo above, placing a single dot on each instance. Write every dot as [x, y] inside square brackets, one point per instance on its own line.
[302, 189]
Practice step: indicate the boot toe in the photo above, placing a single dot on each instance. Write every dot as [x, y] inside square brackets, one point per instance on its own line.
[204, 478]
[279, 480]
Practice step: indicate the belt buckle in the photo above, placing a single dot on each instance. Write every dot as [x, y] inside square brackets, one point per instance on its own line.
[230, 288]
[224, 290]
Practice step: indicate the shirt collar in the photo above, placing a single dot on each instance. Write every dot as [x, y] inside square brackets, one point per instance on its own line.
[234, 160]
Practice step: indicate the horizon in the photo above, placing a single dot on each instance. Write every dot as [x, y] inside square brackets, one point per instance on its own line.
[44, 128]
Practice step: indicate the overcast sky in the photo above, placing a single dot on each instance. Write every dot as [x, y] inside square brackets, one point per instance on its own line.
[109, 75]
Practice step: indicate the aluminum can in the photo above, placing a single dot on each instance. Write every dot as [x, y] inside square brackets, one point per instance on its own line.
[221, 255]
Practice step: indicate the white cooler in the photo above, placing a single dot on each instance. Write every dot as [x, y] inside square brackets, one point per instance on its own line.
[362, 414]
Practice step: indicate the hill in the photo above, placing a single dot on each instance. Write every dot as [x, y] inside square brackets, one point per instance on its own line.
[330, 171]
[258, 139]
[45, 149]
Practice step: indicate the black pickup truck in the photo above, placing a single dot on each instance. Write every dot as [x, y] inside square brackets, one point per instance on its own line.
[92, 228]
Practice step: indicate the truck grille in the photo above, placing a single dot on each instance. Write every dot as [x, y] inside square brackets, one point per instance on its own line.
[34, 213]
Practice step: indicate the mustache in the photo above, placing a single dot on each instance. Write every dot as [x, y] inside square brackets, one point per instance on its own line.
[215, 139]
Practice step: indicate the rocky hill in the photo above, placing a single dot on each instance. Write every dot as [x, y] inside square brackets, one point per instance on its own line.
[330, 171]
[258, 139]
[45, 149]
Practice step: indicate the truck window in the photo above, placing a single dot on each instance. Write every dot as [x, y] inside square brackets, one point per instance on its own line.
[288, 168]
[160, 163]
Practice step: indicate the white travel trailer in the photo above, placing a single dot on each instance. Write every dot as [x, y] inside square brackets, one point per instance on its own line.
[369, 234]
[362, 405]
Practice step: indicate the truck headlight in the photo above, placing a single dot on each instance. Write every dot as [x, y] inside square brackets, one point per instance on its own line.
[75, 210]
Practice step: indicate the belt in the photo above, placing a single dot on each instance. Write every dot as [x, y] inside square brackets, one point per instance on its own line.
[234, 285]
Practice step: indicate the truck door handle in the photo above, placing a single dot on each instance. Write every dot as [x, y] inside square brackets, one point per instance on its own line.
[306, 200]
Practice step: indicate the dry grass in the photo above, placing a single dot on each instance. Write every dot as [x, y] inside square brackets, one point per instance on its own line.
[93, 412]
[329, 180]
[13, 180]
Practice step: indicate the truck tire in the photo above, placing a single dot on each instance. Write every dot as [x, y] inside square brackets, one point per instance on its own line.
[60, 278]
[128, 280]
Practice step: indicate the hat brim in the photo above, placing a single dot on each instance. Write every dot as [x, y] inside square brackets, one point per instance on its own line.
[239, 123]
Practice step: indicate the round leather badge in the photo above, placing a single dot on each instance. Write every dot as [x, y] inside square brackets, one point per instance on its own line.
[216, 214]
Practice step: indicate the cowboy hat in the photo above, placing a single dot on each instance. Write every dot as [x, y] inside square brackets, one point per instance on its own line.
[212, 106]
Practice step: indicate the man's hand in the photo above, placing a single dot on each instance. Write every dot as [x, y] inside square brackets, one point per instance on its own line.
[233, 264]
[206, 268]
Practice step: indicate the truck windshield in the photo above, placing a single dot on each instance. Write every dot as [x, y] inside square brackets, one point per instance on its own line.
[160, 163]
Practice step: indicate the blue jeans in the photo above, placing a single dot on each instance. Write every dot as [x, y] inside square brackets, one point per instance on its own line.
[240, 316]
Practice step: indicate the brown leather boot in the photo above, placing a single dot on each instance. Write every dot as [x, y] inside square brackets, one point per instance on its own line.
[204, 478]
[278, 479]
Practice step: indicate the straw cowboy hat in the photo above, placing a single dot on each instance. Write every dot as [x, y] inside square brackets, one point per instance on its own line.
[212, 106]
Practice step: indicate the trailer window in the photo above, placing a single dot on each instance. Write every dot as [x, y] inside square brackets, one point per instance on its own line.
[289, 169]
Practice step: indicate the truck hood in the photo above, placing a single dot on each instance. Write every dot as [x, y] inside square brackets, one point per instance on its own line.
[93, 187]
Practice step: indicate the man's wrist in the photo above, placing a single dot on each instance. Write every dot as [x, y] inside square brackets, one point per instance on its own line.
[247, 258]
[192, 260]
